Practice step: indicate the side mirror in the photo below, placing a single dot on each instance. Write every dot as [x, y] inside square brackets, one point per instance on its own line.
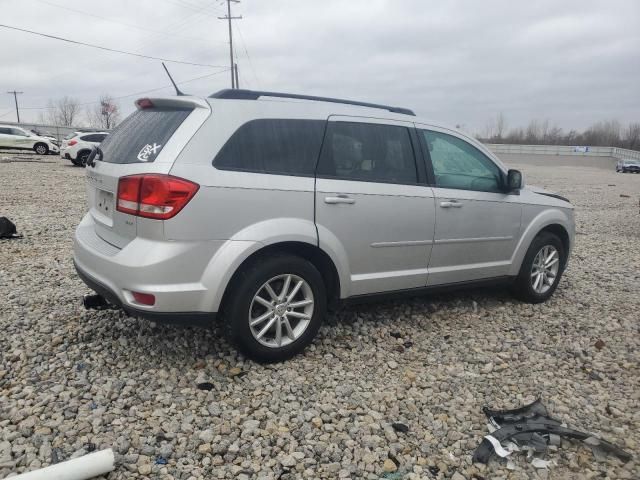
[514, 181]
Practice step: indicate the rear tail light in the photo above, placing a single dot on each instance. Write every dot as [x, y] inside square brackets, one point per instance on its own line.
[154, 195]
[71, 143]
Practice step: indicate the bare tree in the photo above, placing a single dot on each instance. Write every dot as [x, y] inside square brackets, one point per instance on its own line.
[501, 126]
[104, 115]
[64, 112]
[632, 136]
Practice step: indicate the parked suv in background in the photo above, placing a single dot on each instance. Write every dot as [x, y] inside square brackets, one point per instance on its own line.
[269, 207]
[78, 147]
[19, 138]
[624, 166]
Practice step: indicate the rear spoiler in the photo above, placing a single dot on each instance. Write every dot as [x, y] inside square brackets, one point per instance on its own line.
[172, 102]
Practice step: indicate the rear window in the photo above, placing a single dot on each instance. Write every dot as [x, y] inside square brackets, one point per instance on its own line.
[142, 135]
[277, 146]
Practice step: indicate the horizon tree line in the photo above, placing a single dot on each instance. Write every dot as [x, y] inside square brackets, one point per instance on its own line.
[608, 133]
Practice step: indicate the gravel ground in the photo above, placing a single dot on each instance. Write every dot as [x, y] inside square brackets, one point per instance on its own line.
[72, 380]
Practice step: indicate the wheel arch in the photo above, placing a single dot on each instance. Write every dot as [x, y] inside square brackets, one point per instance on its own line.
[316, 256]
[554, 221]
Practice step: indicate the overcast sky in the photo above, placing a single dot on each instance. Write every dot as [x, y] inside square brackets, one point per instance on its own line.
[574, 62]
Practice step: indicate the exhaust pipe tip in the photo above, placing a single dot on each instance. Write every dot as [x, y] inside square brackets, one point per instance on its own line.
[95, 302]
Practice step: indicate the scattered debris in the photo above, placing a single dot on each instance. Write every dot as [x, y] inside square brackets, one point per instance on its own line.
[599, 344]
[400, 427]
[531, 428]
[540, 464]
[625, 196]
[8, 229]
[80, 468]
[207, 386]
[407, 344]
[396, 334]
[161, 461]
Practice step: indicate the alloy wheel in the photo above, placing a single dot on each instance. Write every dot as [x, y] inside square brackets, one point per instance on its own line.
[545, 269]
[281, 310]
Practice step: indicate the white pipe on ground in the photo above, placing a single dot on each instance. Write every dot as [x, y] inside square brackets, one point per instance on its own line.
[81, 468]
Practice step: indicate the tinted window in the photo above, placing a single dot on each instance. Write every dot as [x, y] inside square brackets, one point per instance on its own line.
[273, 146]
[458, 164]
[368, 152]
[142, 135]
[15, 131]
[5, 131]
[95, 137]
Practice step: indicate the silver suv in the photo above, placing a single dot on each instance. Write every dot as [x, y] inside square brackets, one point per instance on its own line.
[265, 208]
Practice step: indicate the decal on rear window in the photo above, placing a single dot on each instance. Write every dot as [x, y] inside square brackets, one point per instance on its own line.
[147, 151]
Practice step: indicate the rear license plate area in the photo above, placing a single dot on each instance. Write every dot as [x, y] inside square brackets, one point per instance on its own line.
[104, 203]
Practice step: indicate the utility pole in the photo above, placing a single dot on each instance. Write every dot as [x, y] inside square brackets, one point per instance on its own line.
[15, 98]
[228, 17]
[235, 71]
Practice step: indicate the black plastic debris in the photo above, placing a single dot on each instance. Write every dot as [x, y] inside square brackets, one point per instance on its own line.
[531, 427]
[400, 427]
[8, 229]
[205, 386]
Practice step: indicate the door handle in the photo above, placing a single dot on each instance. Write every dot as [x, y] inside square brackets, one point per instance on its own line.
[450, 204]
[339, 199]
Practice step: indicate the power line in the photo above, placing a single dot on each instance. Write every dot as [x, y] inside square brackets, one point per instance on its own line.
[136, 93]
[129, 25]
[228, 17]
[15, 98]
[108, 49]
[193, 7]
[179, 25]
[244, 46]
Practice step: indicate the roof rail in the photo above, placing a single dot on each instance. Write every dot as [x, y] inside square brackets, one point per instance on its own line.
[241, 94]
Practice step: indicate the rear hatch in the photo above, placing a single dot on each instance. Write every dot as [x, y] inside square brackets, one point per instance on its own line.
[148, 141]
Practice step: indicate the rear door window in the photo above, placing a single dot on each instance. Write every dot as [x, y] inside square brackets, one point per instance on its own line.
[368, 152]
[142, 135]
[277, 146]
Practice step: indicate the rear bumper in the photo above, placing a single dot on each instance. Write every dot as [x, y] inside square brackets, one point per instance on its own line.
[171, 271]
[186, 318]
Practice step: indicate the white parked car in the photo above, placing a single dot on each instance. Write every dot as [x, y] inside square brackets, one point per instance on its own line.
[48, 135]
[19, 138]
[78, 147]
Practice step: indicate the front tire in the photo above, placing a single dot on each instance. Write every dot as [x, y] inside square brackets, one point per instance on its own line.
[541, 269]
[41, 148]
[275, 307]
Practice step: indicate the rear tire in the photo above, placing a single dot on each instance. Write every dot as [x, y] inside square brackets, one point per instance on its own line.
[541, 269]
[41, 148]
[286, 323]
